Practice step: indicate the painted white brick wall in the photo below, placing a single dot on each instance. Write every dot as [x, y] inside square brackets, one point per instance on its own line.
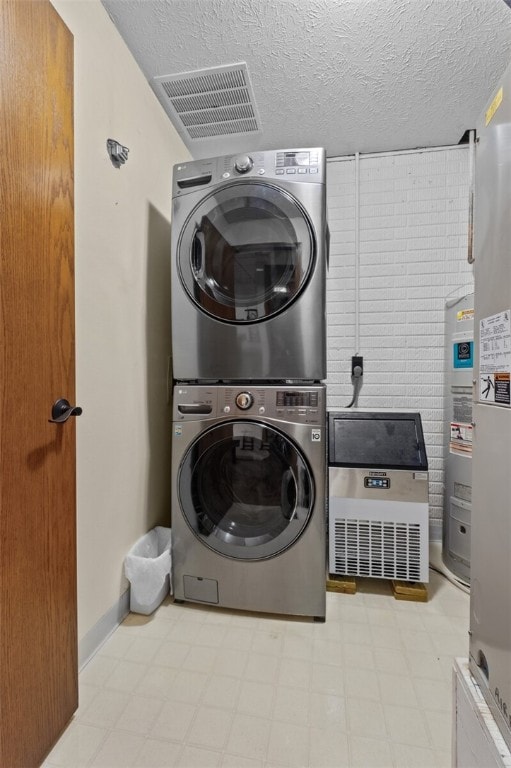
[413, 239]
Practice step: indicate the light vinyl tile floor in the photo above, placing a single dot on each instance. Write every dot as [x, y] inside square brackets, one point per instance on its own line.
[195, 687]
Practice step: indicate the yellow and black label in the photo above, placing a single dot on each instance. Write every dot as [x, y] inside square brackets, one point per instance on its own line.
[497, 101]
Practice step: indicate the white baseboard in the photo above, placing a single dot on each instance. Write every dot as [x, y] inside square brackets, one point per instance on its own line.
[89, 645]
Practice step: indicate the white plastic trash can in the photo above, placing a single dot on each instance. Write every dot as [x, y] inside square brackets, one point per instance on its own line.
[147, 567]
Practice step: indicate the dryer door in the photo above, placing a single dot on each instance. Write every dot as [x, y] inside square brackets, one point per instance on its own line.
[245, 490]
[246, 252]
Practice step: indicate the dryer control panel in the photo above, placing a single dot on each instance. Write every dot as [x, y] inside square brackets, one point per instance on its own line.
[290, 165]
[300, 404]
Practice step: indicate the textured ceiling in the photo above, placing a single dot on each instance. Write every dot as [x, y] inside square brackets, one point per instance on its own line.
[347, 75]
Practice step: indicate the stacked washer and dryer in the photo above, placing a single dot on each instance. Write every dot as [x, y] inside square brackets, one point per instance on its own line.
[249, 253]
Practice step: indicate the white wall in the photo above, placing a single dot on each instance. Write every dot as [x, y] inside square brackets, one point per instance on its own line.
[413, 235]
[413, 239]
[122, 306]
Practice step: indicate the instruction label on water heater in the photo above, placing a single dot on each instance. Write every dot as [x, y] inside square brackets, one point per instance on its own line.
[495, 359]
[461, 438]
[464, 314]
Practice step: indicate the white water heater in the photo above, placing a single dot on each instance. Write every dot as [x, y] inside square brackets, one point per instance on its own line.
[459, 364]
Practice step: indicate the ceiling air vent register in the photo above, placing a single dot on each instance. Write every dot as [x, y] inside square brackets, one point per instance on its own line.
[213, 102]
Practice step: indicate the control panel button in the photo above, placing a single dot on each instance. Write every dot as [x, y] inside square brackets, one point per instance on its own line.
[261, 171]
[313, 170]
[262, 409]
[227, 409]
[244, 400]
[243, 163]
[290, 170]
[225, 175]
[302, 170]
[279, 171]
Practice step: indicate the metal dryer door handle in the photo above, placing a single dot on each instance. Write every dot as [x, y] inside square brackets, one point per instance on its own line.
[198, 250]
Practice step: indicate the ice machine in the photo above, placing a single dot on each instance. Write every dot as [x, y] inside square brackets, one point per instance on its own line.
[378, 495]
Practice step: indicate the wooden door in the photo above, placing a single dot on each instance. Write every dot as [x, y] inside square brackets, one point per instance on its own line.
[38, 638]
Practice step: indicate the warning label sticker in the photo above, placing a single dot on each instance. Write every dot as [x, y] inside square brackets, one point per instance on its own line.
[462, 408]
[464, 314]
[501, 383]
[495, 359]
[497, 101]
[461, 438]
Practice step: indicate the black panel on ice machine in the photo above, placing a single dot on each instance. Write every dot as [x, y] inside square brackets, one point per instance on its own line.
[376, 441]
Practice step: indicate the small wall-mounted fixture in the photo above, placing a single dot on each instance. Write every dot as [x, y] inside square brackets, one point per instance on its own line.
[118, 154]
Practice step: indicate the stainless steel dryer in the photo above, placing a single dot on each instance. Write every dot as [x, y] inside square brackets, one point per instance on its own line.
[249, 249]
[248, 500]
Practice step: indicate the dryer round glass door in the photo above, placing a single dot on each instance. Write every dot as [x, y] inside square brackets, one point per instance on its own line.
[246, 252]
[245, 490]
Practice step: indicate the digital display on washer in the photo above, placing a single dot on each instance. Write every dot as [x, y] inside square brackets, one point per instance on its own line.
[289, 398]
[294, 159]
[378, 440]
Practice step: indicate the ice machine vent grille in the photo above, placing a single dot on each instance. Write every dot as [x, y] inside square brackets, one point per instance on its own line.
[210, 102]
[386, 550]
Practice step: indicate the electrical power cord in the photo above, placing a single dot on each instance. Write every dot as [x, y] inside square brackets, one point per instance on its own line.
[356, 380]
[457, 582]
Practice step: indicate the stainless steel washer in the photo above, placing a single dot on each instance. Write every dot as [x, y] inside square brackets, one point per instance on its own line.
[249, 250]
[248, 511]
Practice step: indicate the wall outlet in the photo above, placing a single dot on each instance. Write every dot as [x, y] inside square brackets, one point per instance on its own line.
[357, 362]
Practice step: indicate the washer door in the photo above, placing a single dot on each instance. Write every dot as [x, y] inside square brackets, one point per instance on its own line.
[246, 252]
[245, 490]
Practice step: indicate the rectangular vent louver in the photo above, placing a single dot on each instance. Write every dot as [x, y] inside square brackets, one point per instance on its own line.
[210, 102]
[380, 549]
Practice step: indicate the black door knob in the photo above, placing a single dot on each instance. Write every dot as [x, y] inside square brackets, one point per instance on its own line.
[62, 410]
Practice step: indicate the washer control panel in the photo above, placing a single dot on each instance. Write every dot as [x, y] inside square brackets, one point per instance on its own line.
[296, 404]
[294, 165]
[297, 162]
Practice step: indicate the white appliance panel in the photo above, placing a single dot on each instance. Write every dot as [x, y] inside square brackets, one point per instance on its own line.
[490, 603]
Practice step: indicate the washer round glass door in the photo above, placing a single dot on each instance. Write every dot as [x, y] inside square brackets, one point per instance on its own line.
[245, 490]
[246, 252]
